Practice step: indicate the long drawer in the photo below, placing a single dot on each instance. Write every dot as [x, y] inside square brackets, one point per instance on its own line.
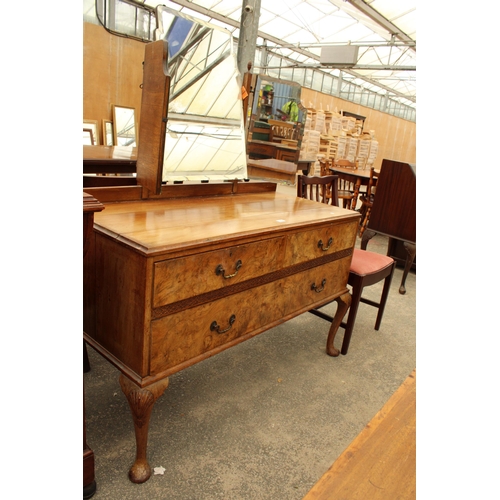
[179, 279]
[180, 337]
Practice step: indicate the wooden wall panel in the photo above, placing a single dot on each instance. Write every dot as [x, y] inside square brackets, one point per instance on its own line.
[396, 137]
[112, 73]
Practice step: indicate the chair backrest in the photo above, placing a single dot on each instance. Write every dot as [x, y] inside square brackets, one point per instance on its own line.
[324, 165]
[344, 163]
[323, 189]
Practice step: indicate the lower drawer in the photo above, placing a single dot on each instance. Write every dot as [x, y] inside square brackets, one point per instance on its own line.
[195, 332]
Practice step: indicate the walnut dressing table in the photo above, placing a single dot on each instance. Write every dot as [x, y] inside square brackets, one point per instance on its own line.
[176, 273]
[171, 282]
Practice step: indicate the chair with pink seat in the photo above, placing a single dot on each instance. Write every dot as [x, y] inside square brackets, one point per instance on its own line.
[367, 268]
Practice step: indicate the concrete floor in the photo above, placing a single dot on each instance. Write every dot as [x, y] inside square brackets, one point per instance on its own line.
[263, 420]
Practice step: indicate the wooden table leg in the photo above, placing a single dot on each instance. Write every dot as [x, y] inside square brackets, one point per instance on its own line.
[411, 250]
[354, 201]
[343, 304]
[141, 401]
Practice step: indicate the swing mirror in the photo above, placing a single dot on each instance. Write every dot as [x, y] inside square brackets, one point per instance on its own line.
[205, 138]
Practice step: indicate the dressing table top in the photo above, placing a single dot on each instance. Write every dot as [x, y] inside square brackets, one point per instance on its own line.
[163, 225]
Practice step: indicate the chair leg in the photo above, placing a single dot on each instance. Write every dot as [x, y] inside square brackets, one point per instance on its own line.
[353, 310]
[383, 299]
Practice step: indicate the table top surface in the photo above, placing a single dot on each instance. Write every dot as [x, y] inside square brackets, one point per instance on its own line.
[164, 225]
[356, 172]
[274, 164]
[276, 144]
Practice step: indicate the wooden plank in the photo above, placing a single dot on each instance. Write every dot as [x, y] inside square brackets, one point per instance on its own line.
[381, 462]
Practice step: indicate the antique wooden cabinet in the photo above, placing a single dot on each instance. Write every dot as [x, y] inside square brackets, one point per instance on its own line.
[177, 272]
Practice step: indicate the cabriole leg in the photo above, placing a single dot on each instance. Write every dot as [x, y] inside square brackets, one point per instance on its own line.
[141, 401]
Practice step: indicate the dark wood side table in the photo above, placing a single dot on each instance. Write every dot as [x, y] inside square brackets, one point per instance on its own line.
[90, 206]
[305, 165]
[359, 177]
[394, 211]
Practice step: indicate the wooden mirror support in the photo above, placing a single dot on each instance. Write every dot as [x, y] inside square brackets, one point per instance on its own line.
[154, 106]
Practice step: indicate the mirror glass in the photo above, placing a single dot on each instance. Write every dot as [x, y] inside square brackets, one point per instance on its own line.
[277, 120]
[277, 100]
[205, 136]
[124, 126]
[107, 132]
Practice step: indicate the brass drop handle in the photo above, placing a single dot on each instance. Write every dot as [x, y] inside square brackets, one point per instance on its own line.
[220, 270]
[320, 244]
[215, 327]
[316, 289]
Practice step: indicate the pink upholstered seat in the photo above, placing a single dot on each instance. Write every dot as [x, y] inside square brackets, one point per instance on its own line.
[364, 262]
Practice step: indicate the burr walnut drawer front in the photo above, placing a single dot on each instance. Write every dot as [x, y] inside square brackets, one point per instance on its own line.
[186, 277]
[307, 245]
[184, 335]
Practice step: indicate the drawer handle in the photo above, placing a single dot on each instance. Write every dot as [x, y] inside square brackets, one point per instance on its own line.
[317, 290]
[320, 244]
[220, 270]
[216, 327]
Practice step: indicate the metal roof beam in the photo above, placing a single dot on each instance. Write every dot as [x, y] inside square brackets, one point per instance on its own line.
[368, 11]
